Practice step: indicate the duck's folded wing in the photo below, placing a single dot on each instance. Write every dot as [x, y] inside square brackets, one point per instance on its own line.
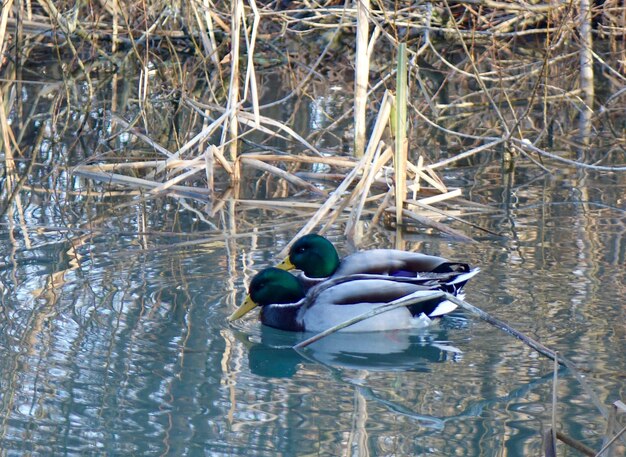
[367, 291]
[393, 262]
[329, 306]
[363, 293]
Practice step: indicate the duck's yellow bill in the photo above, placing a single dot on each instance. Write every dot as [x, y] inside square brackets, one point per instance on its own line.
[247, 306]
[286, 264]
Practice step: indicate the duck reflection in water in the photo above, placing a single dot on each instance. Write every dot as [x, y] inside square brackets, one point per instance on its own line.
[403, 350]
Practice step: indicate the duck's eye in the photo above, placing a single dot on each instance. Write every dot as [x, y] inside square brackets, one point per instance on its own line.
[300, 249]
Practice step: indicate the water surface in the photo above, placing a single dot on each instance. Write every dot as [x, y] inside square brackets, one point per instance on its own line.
[114, 337]
[127, 350]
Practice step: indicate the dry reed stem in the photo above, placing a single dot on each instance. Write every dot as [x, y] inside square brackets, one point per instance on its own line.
[92, 172]
[334, 161]
[203, 135]
[250, 80]
[361, 79]
[428, 222]
[331, 201]
[430, 177]
[466, 154]
[378, 162]
[382, 119]
[401, 141]
[233, 87]
[128, 127]
[4, 18]
[359, 189]
[414, 187]
[422, 204]
[498, 323]
[173, 181]
[207, 43]
[611, 441]
[555, 379]
[439, 197]
[244, 116]
[209, 162]
[527, 145]
[259, 165]
[181, 163]
[173, 158]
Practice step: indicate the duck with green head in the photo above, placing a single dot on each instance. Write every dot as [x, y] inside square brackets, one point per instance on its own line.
[317, 258]
[287, 306]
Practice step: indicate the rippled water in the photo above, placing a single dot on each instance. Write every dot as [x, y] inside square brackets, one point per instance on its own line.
[113, 306]
[116, 342]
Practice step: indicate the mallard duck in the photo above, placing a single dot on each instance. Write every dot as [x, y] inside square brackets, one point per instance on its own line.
[318, 260]
[286, 305]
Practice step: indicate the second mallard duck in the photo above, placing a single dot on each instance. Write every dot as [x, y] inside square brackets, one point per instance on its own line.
[318, 258]
[285, 304]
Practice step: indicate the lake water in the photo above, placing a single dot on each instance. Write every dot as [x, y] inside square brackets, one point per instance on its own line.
[116, 342]
[114, 337]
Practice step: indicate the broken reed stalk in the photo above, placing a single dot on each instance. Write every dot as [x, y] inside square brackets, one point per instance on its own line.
[361, 76]
[611, 441]
[500, 324]
[400, 132]
[209, 163]
[552, 355]
[249, 119]
[427, 174]
[4, 17]
[377, 132]
[382, 119]
[259, 165]
[330, 202]
[251, 81]
[555, 379]
[233, 88]
[91, 172]
[612, 432]
[586, 53]
[377, 163]
[428, 222]
[361, 188]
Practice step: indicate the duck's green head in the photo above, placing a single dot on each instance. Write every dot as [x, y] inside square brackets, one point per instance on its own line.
[270, 286]
[314, 255]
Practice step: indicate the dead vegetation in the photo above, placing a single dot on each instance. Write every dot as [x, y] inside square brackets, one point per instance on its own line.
[197, 118]
[186, 94]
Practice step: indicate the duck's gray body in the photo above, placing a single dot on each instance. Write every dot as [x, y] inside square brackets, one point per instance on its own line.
[336, 300]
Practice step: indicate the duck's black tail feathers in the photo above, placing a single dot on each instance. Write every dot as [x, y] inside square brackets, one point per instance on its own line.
[450, 282]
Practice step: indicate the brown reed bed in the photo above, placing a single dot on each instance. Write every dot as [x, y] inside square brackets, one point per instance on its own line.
[199, 72]
[189, 111]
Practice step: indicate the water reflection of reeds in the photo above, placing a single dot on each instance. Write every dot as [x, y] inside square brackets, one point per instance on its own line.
[125, 141]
